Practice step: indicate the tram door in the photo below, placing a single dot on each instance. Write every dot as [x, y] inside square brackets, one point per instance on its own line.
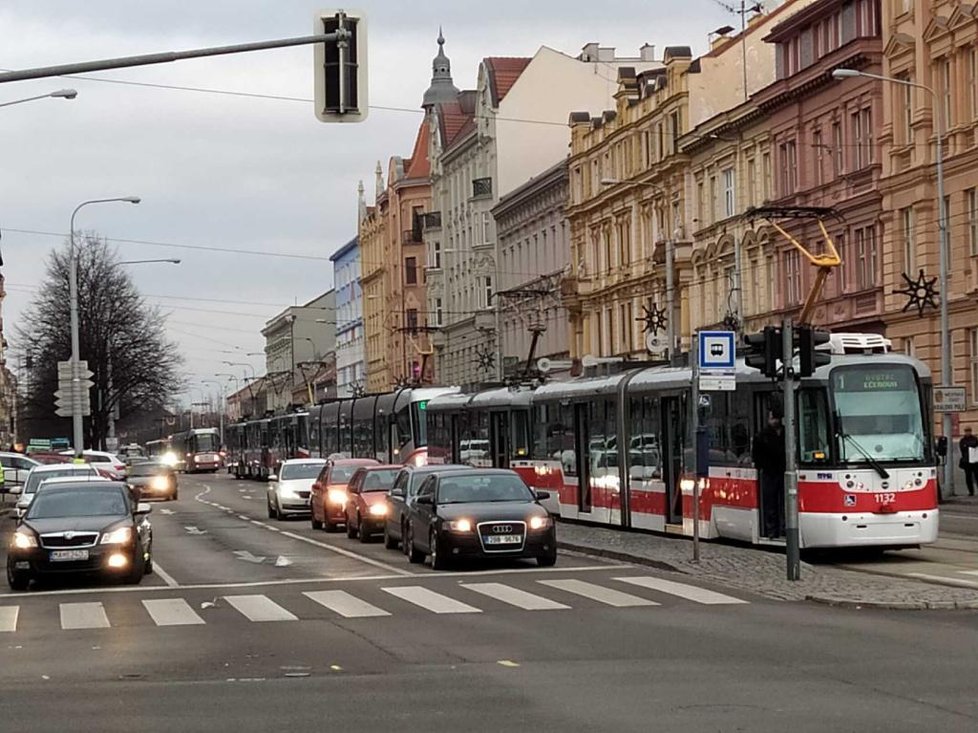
[499, 432]
[672, 456]
[582, 457]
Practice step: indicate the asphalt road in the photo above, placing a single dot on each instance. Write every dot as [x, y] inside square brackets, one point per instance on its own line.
[257, 625]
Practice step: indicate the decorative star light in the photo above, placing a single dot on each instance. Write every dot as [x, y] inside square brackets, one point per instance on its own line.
[920, 293]
[731, 322]
[654, 318]
[485, 358]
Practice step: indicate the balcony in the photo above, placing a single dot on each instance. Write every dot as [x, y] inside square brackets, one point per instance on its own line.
[431, 221]
[411, 237]
[482, 188]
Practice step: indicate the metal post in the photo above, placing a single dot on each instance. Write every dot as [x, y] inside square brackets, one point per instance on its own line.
[695, 432]
[947, 378]
[110, 431]
[790, 465]
[671, 297]
[77, 426]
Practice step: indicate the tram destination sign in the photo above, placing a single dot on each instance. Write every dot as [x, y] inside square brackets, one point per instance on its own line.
[949, 399]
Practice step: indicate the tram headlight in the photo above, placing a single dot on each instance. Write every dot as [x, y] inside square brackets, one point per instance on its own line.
[169, 458]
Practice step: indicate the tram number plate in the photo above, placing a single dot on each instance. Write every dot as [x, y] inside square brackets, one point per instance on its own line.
[504, 539]
[885, 498]
[68, 555]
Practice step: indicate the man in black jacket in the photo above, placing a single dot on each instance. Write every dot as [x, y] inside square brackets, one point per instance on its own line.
[970, 469]
[769, 459]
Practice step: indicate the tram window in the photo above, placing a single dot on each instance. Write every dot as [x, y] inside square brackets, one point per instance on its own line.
[363, 439]
[645, 456]
[602, 442]
[541, 430]
[728, 427]
[519, 440]
[560, 438]
[403, 422]
[739, 424]
[383, 438]
[813, 427]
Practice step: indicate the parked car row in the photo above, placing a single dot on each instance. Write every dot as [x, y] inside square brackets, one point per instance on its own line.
[441, 512]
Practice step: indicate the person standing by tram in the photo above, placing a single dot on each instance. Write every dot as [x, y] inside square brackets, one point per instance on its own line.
[769, 459]
[968, 444]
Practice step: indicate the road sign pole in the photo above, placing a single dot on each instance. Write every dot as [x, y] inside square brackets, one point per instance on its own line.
[77, 426]
[793, 552]
[694, 434]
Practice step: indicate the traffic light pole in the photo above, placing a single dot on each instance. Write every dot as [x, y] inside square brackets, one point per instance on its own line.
[792, 539]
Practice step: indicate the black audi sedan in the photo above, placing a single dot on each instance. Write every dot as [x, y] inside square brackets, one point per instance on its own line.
[84, 527]
[482, 513]
[153, 480]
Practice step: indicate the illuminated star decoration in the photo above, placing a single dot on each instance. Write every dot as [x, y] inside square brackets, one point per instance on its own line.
[485, 358]
[654, 318]
[731, 322]
[920, 293]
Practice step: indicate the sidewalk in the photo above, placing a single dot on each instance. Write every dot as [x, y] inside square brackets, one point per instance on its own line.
[762, 571]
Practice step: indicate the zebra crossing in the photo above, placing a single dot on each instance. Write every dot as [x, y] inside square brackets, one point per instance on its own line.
[466, 597]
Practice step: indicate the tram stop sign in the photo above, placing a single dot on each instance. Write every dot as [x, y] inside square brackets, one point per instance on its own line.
[716, 350]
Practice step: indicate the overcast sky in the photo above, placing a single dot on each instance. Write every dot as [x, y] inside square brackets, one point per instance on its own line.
[242, 173]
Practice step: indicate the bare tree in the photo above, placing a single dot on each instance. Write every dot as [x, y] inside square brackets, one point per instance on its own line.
[122, 337]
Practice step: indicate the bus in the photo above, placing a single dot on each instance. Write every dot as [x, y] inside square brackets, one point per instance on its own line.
[616, 450]
[197, 449]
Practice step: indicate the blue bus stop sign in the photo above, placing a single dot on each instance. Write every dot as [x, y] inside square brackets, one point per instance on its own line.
[716, 350]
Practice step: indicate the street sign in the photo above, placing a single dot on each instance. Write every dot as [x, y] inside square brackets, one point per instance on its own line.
[949, 399]
[716, 349]
[654, 344]
[74, 383]
[718, 382]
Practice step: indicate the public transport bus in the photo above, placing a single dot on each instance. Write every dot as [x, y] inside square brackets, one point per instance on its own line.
[197, 449]
[615, 450]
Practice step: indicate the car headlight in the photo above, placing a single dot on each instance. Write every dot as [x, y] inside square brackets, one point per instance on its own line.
[378, 510]
[160, 483]
[170, 458]
[540, 522]
[336, 496]
[287, 492]
[117, 536]
[460, 525]
[24, 540]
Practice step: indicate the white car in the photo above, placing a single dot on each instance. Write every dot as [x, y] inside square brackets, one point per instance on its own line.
[289, 490]
[15, 470]
[44, 472]
[102, 458]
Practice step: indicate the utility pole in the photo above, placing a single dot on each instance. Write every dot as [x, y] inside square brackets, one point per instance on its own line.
[793, 550]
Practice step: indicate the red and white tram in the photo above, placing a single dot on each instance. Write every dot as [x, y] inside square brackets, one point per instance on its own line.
[615, 450]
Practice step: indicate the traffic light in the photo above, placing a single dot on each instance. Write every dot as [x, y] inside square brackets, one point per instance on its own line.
[764, 350]
[341, 67]
[809, 358]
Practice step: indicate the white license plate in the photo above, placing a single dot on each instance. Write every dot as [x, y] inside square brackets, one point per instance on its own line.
[68, 555]
[504, 539]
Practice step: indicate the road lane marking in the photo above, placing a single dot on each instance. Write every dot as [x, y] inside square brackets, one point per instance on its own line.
[515, 596]
[943, 580]
[260, 608]
[428, 599]
[164, 576]
[348, 553]
[689, 592]
[345, 604]
[83, 616]
[172, 612]
[507, 663]
[8, 617]
[306, 581]
[598, 593]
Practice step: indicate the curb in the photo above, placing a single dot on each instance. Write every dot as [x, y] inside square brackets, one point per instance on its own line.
[622, 556]
[896, 605]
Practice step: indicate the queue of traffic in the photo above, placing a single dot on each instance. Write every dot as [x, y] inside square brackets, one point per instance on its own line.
[443, 512]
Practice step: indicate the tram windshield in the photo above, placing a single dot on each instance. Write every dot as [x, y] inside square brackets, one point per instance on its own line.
[878, 414]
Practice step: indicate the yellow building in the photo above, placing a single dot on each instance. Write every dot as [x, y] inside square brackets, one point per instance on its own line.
[393, 272]
[374, 236]
[933, 43]
[626, 214]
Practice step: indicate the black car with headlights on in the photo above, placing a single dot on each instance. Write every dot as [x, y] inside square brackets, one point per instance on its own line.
[153, 480]
[479, 513]
[83, 527]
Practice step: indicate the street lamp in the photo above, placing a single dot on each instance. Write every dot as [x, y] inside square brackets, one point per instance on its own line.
[60, 93]
[78, 429]
[670, 266]
[169, 260]
[946, 378]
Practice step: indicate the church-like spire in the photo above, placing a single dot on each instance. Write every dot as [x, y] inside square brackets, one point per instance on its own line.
[361, 202]
[442, 88]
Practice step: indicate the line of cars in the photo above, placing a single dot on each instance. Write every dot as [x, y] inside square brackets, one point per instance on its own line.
[86, 518]
[442, 512]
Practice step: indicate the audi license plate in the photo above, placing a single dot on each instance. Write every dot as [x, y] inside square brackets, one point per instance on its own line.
[504, 539]
[68, 555]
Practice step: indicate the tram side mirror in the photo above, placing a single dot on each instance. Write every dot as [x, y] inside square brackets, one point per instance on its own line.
[940, 446]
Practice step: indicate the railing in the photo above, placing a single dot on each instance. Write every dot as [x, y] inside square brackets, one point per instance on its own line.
[481, 187]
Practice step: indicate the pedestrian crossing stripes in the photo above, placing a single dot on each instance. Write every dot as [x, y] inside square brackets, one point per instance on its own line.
[385, 601]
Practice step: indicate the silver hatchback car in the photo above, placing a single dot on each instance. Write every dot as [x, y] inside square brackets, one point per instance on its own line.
[288, 490]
